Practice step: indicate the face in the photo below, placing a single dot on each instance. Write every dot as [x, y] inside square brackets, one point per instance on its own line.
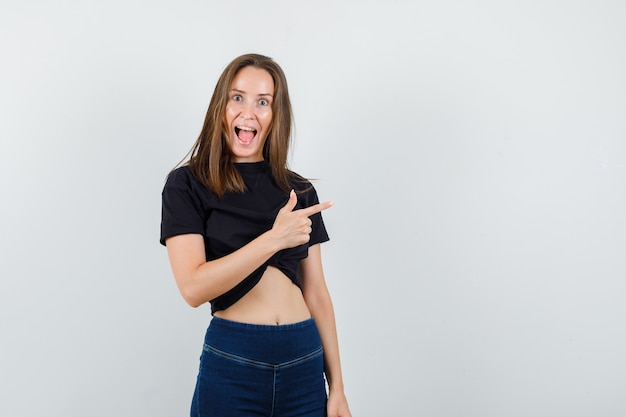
[249, 113]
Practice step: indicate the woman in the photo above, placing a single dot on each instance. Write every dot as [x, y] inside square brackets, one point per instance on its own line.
[243, 233]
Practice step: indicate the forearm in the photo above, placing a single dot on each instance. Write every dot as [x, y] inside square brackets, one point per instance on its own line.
[321, 308]
[208, 280]
[320, 305]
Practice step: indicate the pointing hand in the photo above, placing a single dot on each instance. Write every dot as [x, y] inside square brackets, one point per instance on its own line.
[293, 228]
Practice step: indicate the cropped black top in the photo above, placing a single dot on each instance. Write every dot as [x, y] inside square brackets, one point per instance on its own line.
[237, 219]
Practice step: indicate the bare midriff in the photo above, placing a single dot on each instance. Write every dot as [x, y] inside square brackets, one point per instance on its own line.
[274, 300]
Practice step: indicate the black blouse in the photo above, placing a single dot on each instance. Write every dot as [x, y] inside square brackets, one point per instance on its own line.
[237, 219]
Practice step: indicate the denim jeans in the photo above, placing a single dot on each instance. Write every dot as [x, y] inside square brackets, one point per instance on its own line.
[260, 370]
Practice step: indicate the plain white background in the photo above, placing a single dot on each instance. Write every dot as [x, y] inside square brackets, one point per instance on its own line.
[475, 151]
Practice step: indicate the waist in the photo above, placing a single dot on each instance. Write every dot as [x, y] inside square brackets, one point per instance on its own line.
[274, 300]
[267, 343]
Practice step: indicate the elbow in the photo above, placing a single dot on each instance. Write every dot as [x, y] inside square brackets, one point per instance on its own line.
[319, 303]
[191, 298]
[190, 291]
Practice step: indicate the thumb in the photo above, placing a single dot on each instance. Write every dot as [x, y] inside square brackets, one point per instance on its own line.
[291, 203]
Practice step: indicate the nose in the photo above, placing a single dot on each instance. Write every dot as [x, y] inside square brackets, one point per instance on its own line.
[247, 112]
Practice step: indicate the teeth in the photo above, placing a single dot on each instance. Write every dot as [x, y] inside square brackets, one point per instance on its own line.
[249, 129]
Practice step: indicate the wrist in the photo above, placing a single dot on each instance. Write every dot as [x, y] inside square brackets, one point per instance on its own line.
[271, 242]
[335, 388]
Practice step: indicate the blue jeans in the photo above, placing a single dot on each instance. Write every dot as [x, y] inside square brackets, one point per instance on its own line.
[260, 370]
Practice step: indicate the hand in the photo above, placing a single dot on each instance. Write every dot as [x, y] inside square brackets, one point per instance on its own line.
[293, 228]
[337, 405]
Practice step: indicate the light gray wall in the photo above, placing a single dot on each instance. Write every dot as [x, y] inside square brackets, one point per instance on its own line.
[475, 150]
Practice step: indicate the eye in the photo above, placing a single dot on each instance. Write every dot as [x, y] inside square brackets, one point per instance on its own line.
[264, 102]
[237, 97]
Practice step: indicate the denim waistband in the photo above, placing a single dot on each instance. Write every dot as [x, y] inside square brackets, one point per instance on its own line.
[273, 344]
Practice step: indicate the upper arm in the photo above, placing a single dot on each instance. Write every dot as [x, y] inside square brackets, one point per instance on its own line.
[186, 254]
[312, 273]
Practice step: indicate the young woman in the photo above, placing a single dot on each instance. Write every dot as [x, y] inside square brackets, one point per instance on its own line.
[243, 233]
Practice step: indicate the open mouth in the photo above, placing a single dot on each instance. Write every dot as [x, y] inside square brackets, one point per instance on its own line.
[245, 134]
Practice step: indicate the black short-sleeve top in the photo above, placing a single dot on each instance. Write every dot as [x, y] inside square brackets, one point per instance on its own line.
[230, 223]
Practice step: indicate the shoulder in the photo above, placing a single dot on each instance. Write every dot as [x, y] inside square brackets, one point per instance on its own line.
[307, 193]
[183, 178]
[298, 182]
[182, 182]
[180, 174]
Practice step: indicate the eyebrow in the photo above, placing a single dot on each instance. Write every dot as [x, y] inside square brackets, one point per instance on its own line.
[234, 90]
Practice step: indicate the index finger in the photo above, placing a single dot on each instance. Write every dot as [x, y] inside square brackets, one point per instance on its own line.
[311, 210]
